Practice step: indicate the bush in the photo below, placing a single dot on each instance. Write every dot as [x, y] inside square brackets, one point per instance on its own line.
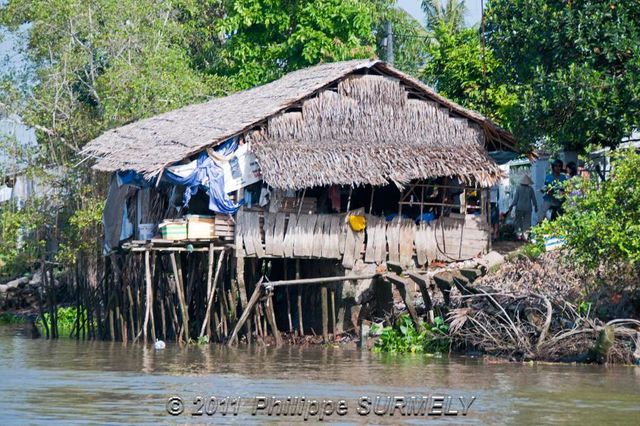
[601, 223]
[531, 251]
[403, 337]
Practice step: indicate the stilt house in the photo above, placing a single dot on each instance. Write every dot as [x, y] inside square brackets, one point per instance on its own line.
[332, 170]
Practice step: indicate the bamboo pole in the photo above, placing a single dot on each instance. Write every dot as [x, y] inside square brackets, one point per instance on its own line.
[212, 289]
[322, 280]
[147, 271]
[371, 201]
[325, 314]
[245, 314]
[288, 297]
[181, 299]
[299, 300]
[332, 293]
[271, 318]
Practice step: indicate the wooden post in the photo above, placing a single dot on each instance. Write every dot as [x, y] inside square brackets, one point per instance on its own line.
[271, 318]
[422, 283]
[147, 271]
[325, 314]
[349, 199]
[299, 299]
[152, 317]
[212, 290]
[333, 311]
[401, 286]
[288, 297]
[181, 299]
[245, 314]
[242, 286]
[371, 202]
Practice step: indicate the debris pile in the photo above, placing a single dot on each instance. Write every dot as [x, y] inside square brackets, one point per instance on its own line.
[535, 310]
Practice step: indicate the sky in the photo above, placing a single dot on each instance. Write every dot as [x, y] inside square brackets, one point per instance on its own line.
[413, 7]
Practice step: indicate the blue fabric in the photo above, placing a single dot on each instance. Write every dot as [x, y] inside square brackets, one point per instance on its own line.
[426, 217]
[132, 178]
[552, 185]
[227, 147]
[209, 176]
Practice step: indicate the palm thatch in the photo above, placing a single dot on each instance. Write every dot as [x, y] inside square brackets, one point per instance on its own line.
[352, 122]
[369, 132]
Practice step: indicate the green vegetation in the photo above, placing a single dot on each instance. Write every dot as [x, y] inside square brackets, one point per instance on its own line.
[574, 66]
[21, 240]
[531, 250]
[457, 69]
[7, 318]
[90, 66]
[448, 12]
[265, 39]
[66, 319]
[403, 337]
[601, 223]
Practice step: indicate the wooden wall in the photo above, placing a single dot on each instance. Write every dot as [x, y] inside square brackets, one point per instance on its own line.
[329, 236]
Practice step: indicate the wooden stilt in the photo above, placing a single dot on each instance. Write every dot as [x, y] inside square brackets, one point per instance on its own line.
[271, 318]
[147, 271]
[242, 287]
[130, 309]
[152, 301]
[245, 314]
[333, 312]
[299, 300]
[207, 323]
[285, 275]
[401, 286]
[181, 299]
[211, 288]
[325, 314]
[241, 283]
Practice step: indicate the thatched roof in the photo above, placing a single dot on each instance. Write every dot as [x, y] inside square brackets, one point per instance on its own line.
[320, 125]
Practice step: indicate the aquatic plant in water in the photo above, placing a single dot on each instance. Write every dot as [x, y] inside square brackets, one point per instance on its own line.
[403, 337]
[66, 319]
[9, 318]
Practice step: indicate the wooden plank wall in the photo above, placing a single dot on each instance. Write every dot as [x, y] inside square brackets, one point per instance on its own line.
[329, 236]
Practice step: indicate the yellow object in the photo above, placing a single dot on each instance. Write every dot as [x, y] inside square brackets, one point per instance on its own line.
[358, 223]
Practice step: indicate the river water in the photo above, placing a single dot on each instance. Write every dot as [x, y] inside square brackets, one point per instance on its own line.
[67, 382]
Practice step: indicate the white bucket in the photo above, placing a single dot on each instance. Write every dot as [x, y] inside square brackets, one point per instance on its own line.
[145, 231]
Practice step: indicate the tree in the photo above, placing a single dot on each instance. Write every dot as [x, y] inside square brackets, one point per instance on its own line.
[410, 40]
[99, 64]
[601, 223]
[264, 39]
[455, 67]
[576, 64]
[92, 66]
[450, 12]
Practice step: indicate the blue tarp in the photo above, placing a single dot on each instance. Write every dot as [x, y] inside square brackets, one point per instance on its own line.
[207, 175]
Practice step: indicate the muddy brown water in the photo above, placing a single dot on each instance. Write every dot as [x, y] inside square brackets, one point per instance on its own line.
[67, 382]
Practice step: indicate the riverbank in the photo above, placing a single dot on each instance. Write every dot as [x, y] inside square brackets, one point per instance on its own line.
[515, 308]
[544, 309]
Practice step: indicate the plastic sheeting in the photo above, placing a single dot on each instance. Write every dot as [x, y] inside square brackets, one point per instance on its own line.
[114, 217]
[205, 173]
